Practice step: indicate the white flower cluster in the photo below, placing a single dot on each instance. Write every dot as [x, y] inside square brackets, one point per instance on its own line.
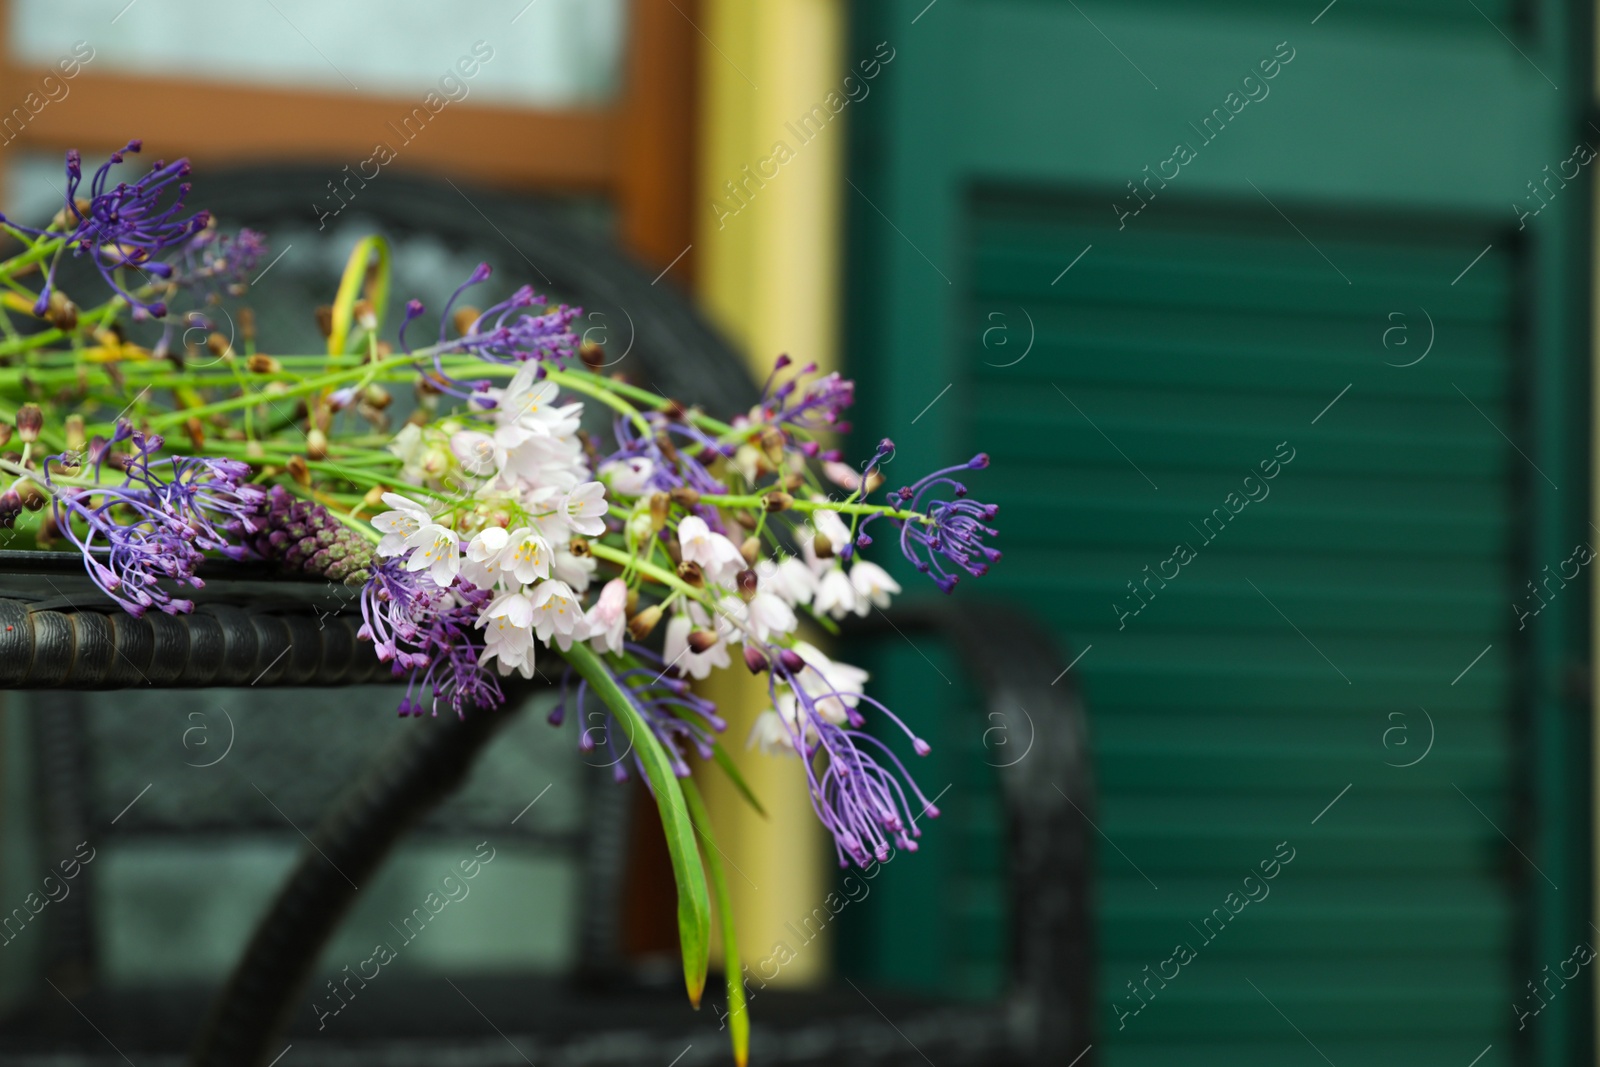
[531, 466]
[817, 579]
[528, 493]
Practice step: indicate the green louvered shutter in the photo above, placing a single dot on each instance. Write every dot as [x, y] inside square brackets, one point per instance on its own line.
[1128, 380]
[1233, 703]
[1317, 638]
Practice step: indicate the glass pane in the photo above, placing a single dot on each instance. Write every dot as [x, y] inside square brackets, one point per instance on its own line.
[543, 53]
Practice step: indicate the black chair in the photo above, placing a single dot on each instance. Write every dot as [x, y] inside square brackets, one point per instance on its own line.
[253, 631]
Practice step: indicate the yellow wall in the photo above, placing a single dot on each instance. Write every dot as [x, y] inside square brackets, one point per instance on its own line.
[769, 264]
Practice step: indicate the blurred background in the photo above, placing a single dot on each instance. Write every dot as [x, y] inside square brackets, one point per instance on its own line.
[1276, 319]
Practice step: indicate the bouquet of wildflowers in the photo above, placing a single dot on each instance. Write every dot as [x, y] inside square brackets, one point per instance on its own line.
[489, 534]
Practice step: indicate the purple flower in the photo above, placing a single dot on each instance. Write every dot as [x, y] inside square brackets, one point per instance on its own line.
[679, 719]
[157, 524]
[214, 261]
[856, 796]
[812, 406]
[955, 535]
[686, 466]
[125, 226]
[507, 332]
[427, 633]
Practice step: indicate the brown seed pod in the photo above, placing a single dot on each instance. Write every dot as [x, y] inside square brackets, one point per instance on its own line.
[660, 504]
[30, 420]
[685, 496]
[691, 573]
[701, 641]
[259, 364]
[641, 624]
[298, 470]
[777, 500]
[316, 444]
[61, 313]
[751, 550]
[324, 316]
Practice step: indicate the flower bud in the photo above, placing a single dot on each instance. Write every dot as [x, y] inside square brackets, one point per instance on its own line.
[61, 313]
[30, 420]
[579, 547]
[747, 585]
[324, 315]
[772, 442]
[751, 550]
[593, 355]
[316, 444]
[33, 498]
[790, 660]
[691, 573]
[640, 625]
[640, 527]
[247, 324]
[660, 504]
[463, 318]
[777, 501]
[374, 496]
[218, 344]
[822, 546]
[754, 660]
[260, 364]
[298, 470]
[684, 496]
[376, 396]
[76, 437]
[6, 430]
[701, 641]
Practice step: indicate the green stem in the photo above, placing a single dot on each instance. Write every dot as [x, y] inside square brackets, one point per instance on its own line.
[580, 384]
[727, 500]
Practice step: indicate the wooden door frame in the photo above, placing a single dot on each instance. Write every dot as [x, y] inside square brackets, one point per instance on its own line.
[639, 152]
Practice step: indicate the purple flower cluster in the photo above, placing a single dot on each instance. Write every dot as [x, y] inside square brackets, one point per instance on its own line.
[428, 633]
[813, 406]
[679, 719]
[301, 535]
[958, 528]
[125, 225]
[157, 524]
[507, 332]
[860, 801]
[218, 262]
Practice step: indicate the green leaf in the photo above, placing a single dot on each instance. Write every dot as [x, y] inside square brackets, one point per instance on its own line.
[738, 1017]
[694, 906]
[351, 285]
[729, 768]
